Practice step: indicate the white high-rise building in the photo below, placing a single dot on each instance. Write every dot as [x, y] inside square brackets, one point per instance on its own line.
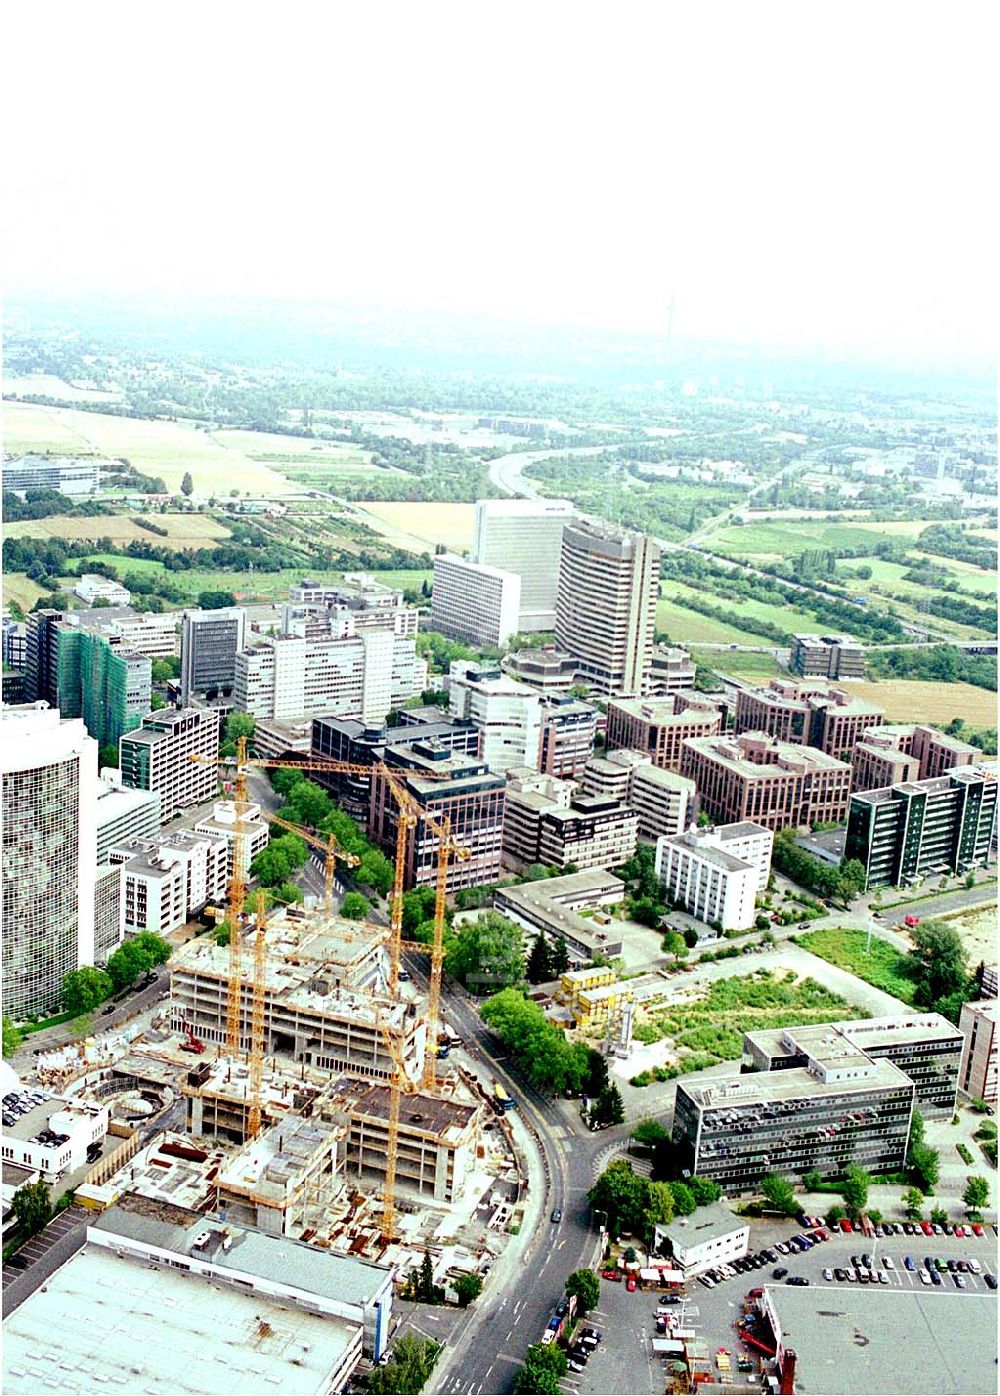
[715, 874]
[49, 772]
[473, 602]
[294, 676]
[507, 714]
[524, 536]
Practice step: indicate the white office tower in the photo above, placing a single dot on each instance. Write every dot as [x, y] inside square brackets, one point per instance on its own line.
[609, 584]
[475, 603]
[524, 536]
[507, 714]
[318, 675]
[210, 642]
[49, 771]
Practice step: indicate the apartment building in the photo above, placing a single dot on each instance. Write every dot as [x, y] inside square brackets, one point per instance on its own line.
[157, 757]
[922, 827]
[48, 770]
[699, 874]
[827, 657]
[363, 599]
[449, 784]
[313, 673]
[977, 1074]
[672, 671]
[546, 822]
[568, 730]
[475, 603]
[661, 726]
[123, 813]
[168, 880]
[663, 800]
[609, 585]
[524, 537]
[67, 474]
[826, 718]
[757, 779]
[210, 642]
[506, 714]
[551, 671]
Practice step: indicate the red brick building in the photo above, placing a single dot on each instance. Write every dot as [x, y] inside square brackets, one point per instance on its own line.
[775, 784]
[661, 726]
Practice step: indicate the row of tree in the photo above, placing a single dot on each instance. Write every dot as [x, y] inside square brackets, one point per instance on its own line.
[550, 1062]
[84, 989]
[633, 1204]
[545, 1364]
[835, 884]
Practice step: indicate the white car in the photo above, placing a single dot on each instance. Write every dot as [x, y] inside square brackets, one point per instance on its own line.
[782, 1247]
[925, 1279]
[888, 1263]
[882, 1277]
[827, 1274]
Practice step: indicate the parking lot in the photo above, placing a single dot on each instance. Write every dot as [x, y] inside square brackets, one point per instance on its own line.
[37, 1258]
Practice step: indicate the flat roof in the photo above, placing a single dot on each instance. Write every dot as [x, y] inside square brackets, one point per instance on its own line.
[754, 1088]
[785, 756]
[592, 881]
[446, 1119]
[704, 1224]
[888, 1342]
[106, 1322]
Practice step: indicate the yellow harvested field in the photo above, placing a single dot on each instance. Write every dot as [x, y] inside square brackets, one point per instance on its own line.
[421, 526]
[20, 588]
[166, 449]
[914, 700]
[47, 385]
[264, 444]
[183, 530]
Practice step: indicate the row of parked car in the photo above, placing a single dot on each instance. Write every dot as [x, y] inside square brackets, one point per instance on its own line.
[18, 1103]
[579, 1351]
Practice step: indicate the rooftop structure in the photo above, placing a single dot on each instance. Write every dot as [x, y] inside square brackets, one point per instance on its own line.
[893, 755]
[551, 905]
[672, 671]
[569, 728]
[91, 588]
[546, 822]
[366, 601]
[548, 670]
[754, 777]
[710, 1236]
[123, 813]
[663, 800]
[827, 656]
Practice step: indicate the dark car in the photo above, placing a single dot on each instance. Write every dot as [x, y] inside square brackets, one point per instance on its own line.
[780, 1273]
[562, 1308]
[797, 1280]
[18, 1262]
[772, 1254]
[991, 1280]
[866, 1260]
[840, 1274]
[557, 1214]
[935, 1277]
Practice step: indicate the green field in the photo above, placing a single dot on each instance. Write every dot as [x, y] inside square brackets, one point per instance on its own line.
[266, 585]
[775, 539]
[688, 627]
[882, 966]
[739, 663]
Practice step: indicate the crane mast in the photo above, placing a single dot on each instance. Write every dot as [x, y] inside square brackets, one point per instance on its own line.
[257, 1020]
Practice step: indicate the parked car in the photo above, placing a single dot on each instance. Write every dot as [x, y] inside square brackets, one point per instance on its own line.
[888, 1263]
[975, 1267]
[827, 1273]
[556, 1214]
[991, 1280]
[18, 1262]
[845, 1225]
[630, 1284]
[925, 1278]
[797, 1280]
[935, 1277]
[780, 1273]
[909, 1262]
[977, 1230]
[959, 1281]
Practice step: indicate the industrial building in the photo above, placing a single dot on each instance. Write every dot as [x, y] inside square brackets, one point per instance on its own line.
[919, 828]
[157, 757]
[475, 603]
[210, 642]
[828, 719]
[754, 777]
[552, 906]
[505, 713]
[524, 537]
[977, 1074]
[609, 586]
[661, 726]
[827, 657]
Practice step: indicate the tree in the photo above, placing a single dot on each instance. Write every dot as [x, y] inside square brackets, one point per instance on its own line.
[587, 1288]
[596, 1077]
[354, 907]
[976, 1195]
[12, 1037]
[409, 1368]
[270, 867]
[240, 725]
[913, 1202]
[684, 1202]
[308, 804]
[674, 944]
[127, 964]
[285, 894]
[937, 964]
[924, 1167]
[854, 1189]
[852, 878]
[704, 1190]
[374, 872]
[939, 1216]
[468, 1287]
[158, 949]
[488, 954]
[545, 1364]
[690, 937]
[608, 1108]
[812, 1181]
[778, 1191]
[187, 484]
[560, 957]
[539, 967]
[32, 1207]
[622, 1196]
[649, 1132]
[215, 600]
[83, 989]
[550, 1062]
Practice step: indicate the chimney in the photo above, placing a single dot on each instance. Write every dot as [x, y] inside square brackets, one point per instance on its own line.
[787, 1386]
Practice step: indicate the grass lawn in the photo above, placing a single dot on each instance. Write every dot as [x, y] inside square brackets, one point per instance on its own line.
[775, 538]
[740, 664]
[274, 446]
[19, 587]
[684, 626]
[266, 585]
[883, 966]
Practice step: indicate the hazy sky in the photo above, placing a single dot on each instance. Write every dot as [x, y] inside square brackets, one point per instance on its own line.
[820, 174]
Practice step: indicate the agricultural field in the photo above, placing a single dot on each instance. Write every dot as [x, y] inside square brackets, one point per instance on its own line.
[917, 700]
[882, 966]
[978, 928]
[47, 385]
[740, 664]
[890, 576]
[20, 588]
[183, 530]
[774, 539]
[420, 527]
[688, 627]
[165, 449]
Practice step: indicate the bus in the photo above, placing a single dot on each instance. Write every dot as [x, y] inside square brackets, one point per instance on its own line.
[501, 1100]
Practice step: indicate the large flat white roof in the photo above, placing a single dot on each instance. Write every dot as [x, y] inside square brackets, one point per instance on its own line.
[106, 1323]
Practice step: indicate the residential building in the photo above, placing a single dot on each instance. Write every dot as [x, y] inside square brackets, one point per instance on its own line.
[710, 884]
[609, 586]
[67, 474]
[354, 742]
[92, 587]
[49, 773]
[709, 1237]
[505, 713]
[210, 642]
[827, 657]
[663, 800]
[672, 671]
[123, 813]
[569, 727]
[922, 827]
[977, 1074]
[545, 822]
[475, 603]
[752, 843]
[829, 719]
[157, 757]
[367, 602]
[757, 779]
[551, 671]
[841, 1108]
[76, 1125]
[312, 673]
[661, 726]
[524, 537]
[449, 784]
[925, 1046]
[553, 905]
[167, 881]
[220, 823]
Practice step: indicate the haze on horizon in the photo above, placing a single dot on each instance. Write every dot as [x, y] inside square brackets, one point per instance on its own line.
[784, 174]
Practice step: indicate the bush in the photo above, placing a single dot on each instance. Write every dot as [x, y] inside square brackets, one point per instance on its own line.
[964, 1153]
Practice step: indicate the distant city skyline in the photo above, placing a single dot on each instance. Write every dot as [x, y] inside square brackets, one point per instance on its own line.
[758, 175]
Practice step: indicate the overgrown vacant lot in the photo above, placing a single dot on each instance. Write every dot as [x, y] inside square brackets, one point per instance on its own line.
[883, 965]
[710, 1029]
[183, 530]
[917, 700]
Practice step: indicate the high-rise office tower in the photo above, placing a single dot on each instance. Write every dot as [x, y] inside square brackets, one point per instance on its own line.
[157, 757]
[210, 642]
[606, 606]
[48, 768]
[87, 672]
[524, 536]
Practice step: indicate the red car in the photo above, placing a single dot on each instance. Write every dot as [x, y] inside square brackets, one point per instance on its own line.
[926, 1228]
[845, 1225]
[962, 1231]
[977, 1230]
[611, 1274]
[631, 1286]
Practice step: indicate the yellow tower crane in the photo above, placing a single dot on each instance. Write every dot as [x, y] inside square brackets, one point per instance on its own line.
[328, 846]
[399, 1082]
[257, 1018]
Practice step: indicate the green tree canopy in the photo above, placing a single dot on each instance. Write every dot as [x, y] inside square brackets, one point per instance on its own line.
[408, 1369]
[545, 1364]
[705, 1191]
[587, 1288]
[127, 964]
[925, 1166]
[684, 1202]
[187, 484]
[913, 1202]
[854, 1189]
[607, 1108]
[938, 965]
[649, 1131]
[780, 1194]
[552, 1064]
[83, 989]
[158, 949]
[977, 1194]
[560, 957]
[12, 1037]
[487, 954]
[32, 1207]
[628, 1200]
[374, 872]
[468, 1287]
[539, 967]
[215, 600]
[354, 907]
